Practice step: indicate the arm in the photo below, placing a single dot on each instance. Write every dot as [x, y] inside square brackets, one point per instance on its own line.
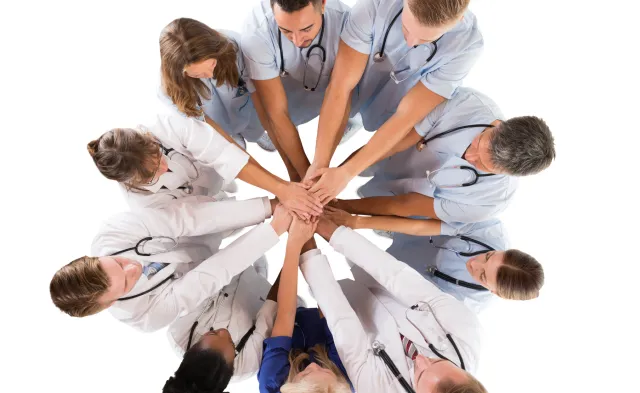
[347, 71]
[401, 280]
[262, 115]
[410, 140]
[293, 196]
[405, 205]
[418, 102]
[409, 226]
[274, 100]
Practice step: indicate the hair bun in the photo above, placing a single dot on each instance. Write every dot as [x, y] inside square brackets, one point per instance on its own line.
[92, 147]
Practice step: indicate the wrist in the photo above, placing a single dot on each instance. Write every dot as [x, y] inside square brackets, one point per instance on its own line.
[280, 188]
[273, 202]
[356, 222]
[326, 228]
[350, 169]
[294, 245]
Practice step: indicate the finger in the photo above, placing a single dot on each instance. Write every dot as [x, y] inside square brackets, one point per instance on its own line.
[330, 209]
[313, 202]
[327, 199]
[317, 173]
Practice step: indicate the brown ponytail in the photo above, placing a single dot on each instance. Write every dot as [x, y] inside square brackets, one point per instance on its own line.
[520, 276]
[186, 41]
[125, 155]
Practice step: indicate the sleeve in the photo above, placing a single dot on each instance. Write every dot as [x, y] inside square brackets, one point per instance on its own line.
[445, 80]
[358, 29]
[401, 280]
[274, 368]
[248, 361]
[366, 371]
[205, 144]
[210, 276]
[456, 212]
[260, 55]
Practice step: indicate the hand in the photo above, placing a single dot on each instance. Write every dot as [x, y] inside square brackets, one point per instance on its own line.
[340, 217]
[296, 198]
[300, 231]
[281, 220]
[332, 181]
[326, 228]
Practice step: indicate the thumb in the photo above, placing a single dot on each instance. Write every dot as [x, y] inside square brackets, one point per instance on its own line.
[317, 173]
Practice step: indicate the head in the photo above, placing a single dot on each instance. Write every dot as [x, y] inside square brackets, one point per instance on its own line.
[425, 21]
[520, 146]
[190, 50]
[321, 377]
[299, 20]
[128, 156]
[89, 285]
[510, 274]
[207, 367]
[442, 376]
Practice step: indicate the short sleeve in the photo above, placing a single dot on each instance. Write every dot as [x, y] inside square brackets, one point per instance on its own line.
[426, 125]
[358, 28]
[446, 79]
[275, 364]
[260, 56]
[455, 212]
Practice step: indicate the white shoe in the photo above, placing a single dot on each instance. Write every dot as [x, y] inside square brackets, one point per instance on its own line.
[265, 143]
[239, 139]
[387, 234]
[353, 126]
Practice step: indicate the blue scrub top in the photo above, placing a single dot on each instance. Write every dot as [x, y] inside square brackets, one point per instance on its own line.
[231, 107]
[260, 46]
[420, 254]
[379, 95]
[308, 331]
[405, 172]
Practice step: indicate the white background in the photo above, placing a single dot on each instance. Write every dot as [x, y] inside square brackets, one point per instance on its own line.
[71, 71]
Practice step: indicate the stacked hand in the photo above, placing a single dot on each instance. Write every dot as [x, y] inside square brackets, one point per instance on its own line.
[330, 182]
[297, 198]
[340, 217]
[281, 219]
[301, 231]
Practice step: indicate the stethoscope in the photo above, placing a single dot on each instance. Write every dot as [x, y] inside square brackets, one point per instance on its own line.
[323, 53]
[380, 56]
[138, 250]
[237, 348]
[188, 186]
[379, 350]
[437, 273]
[475, 174]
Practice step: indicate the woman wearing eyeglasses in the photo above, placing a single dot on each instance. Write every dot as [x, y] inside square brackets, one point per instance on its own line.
[203, 75]
[175, 156]
[472, 263]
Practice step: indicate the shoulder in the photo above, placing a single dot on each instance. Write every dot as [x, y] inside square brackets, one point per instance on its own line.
[116, 230]
[259, 19]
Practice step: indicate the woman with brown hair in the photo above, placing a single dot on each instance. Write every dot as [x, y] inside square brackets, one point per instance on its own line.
[175, 157]
[468, 262]
[203, 75]
[300, 356]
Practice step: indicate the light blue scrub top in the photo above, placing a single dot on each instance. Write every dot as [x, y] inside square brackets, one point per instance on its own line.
[231, 107]
[379, 95]
[405, 172]
[417, 252]
[260, 46]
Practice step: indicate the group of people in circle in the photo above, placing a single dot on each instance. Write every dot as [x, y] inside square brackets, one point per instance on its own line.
[443, 162]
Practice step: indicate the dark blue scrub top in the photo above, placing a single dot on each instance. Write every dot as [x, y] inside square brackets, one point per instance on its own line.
[308, 331]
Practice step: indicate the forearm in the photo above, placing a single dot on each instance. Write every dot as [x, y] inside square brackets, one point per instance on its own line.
[408, 141]
[406, 205]
[289, 140]
[287, 292]
[334, 115]
[409, 226]
[254, 174]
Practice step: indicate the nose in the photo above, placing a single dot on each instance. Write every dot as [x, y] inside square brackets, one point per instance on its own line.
[313, 366]
[298, 39]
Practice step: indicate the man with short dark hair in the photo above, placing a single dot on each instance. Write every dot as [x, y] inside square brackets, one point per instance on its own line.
[459, 165]
[290, 48]
[406, 57]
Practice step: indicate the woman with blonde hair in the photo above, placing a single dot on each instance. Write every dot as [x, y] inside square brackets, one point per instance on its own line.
[300, 356]
[203, 75]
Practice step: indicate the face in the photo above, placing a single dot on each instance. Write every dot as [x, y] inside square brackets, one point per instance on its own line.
[484, 268]
[203, 69]
[317, 374]
[416, 33]
[300, 27]
[219, 341]
[479, 153]
[123, 274]
[428, 373]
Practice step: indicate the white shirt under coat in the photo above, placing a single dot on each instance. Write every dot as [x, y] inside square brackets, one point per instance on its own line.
[420, 254]
[376, 306]
[215, 160]
[200, 269]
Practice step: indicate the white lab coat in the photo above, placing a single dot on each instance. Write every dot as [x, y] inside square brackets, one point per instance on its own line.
[200, 272]
[375, 306]
[217, 161]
